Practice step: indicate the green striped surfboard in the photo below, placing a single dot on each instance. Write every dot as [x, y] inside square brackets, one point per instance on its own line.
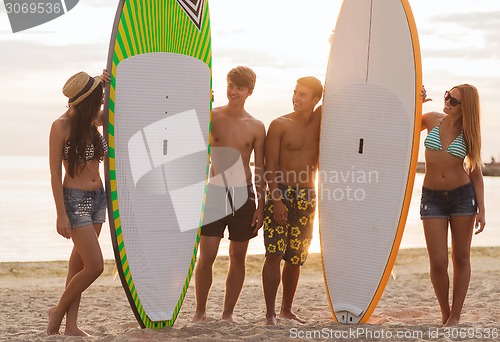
[158, 123]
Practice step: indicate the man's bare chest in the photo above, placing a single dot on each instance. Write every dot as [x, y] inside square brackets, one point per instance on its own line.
[239, 137]
[301, 139]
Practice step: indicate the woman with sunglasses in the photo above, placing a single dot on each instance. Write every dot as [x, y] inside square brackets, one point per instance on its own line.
[452, 193]
[80, 200]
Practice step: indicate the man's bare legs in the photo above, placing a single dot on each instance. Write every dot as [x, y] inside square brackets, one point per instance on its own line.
[271, 278]
[235, 277]
[209, 246]
[290, 279]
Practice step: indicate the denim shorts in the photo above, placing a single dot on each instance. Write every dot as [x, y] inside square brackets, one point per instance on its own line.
[85, 208]
[445, 203]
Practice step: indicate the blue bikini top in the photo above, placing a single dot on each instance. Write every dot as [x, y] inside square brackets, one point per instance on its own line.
[457, 148]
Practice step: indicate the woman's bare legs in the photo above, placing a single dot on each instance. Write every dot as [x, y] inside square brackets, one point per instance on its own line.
[436, 237]
[87, 246]
[462, 228]
[75, 266]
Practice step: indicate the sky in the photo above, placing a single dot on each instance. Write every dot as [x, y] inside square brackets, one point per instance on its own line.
[281, 40]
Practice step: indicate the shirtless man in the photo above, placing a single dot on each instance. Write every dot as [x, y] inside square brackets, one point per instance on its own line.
[291, 151]
[230, 197]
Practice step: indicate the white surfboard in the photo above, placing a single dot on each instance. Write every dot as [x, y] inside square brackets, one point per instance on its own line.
[368, 151]
[158, 127]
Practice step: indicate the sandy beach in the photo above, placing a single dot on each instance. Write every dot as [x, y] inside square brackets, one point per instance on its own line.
[407, 311]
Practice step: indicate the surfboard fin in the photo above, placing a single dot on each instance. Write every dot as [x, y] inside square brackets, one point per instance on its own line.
[115, 272]
[347, 313]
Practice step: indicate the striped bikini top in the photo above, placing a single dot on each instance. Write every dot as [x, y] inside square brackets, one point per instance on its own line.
[457, 148]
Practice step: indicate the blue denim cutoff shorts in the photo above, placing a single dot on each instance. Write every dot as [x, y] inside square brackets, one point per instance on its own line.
[445, 203]
[84, 207]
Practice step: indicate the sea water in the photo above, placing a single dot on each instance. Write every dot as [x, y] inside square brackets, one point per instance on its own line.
[27, 216]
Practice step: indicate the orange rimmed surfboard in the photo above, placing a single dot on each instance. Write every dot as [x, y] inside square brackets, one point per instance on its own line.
[368, 151]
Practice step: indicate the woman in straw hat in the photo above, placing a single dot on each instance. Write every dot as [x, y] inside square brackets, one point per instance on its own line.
[80, 199]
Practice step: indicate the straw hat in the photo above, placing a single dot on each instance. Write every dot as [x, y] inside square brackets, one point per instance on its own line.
[79, 86]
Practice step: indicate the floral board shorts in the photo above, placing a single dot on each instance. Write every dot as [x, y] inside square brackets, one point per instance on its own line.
[292, 240]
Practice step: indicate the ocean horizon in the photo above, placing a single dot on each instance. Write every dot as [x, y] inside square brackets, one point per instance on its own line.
[27, 216]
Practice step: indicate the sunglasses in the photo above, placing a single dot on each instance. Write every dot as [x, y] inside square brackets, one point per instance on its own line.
[453, 101]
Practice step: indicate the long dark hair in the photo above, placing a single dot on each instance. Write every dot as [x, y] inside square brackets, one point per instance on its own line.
[84, 132]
